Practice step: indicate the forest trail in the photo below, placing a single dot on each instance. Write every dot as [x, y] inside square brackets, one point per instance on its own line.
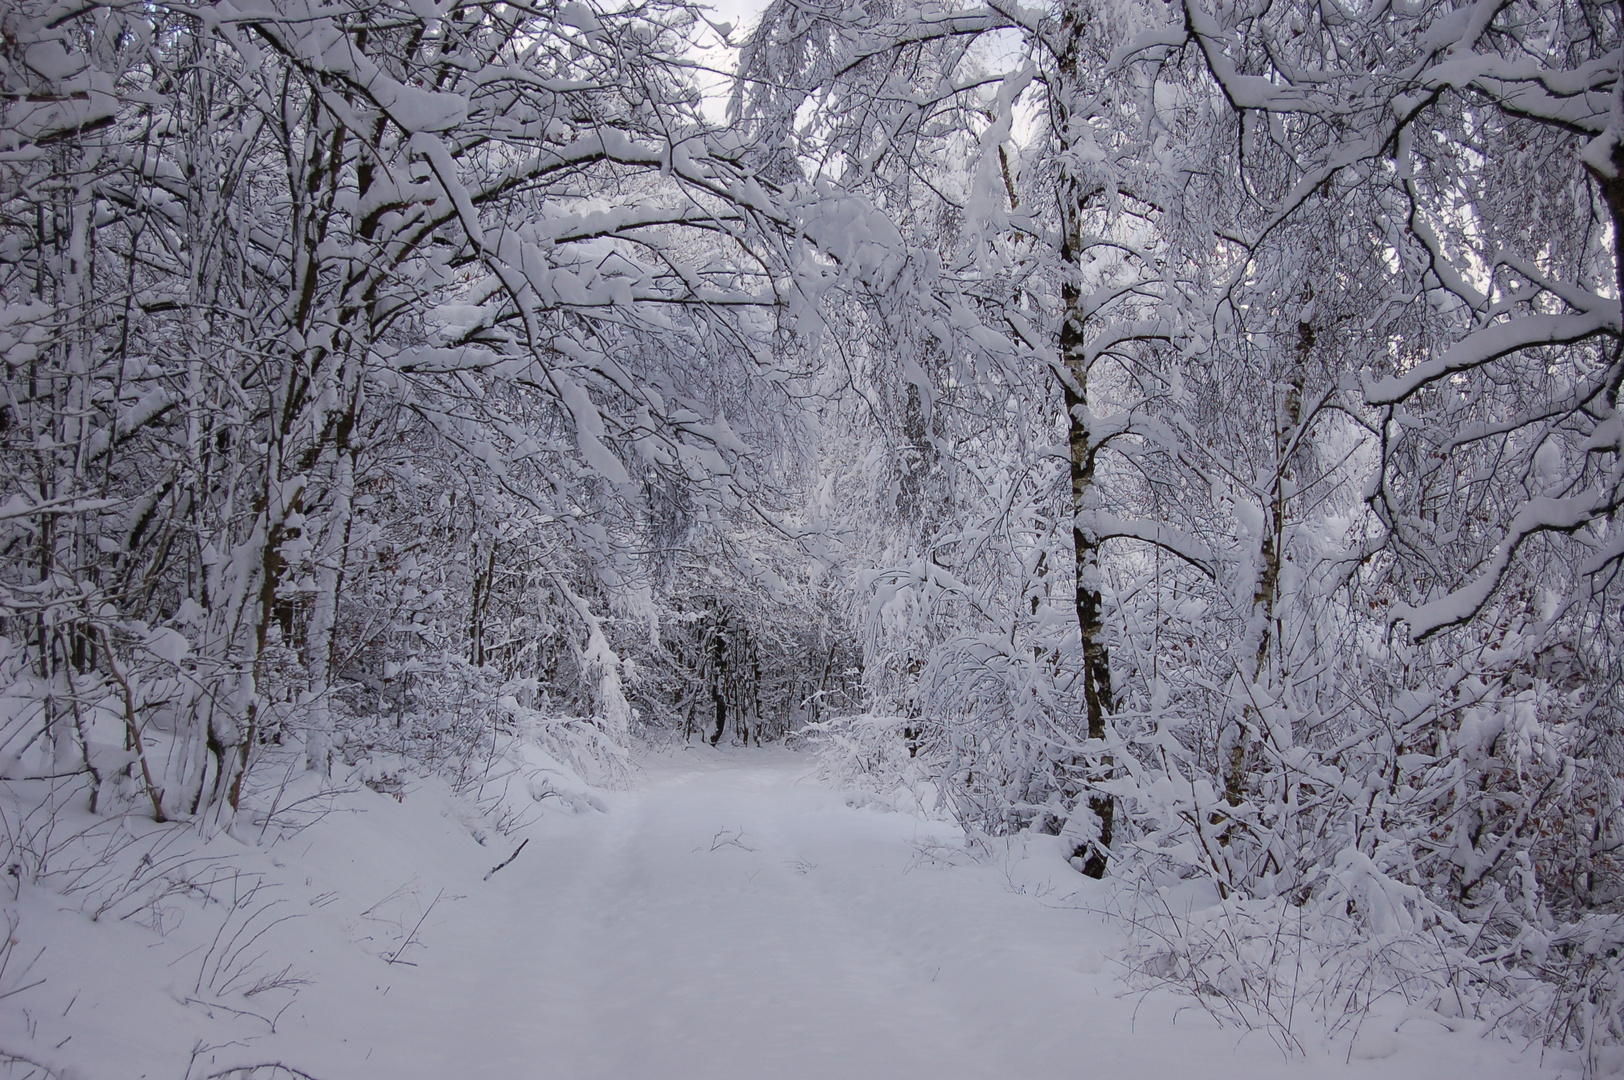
[730, 918]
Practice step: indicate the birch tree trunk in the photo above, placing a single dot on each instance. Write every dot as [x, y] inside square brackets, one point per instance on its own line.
[1089, 604]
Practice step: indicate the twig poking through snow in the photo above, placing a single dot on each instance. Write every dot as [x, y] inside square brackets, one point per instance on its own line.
[732, 841]
[509, 859]
[407, 943]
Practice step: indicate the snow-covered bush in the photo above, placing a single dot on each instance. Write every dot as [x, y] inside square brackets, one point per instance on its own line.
[876, 759]
[462, 722]
[864, 751]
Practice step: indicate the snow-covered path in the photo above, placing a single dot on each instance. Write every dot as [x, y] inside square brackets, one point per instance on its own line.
[728, 918]
[727, 921]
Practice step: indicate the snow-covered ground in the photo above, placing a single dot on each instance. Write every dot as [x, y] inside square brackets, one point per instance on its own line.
[725, 918]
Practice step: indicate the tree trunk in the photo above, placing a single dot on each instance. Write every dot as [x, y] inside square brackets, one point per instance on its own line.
[718, 698]
[1074, 196]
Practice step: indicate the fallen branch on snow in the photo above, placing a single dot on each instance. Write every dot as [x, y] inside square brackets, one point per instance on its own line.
[509, 859]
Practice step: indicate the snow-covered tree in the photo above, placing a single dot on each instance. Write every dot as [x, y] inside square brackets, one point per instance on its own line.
[337, 337]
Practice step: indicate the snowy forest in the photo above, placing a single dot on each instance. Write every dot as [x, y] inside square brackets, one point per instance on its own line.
[1173, 445]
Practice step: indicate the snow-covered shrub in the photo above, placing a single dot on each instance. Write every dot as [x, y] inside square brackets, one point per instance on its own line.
[866, 750]
[876, 758]
[1302, 972]
[461, 721]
